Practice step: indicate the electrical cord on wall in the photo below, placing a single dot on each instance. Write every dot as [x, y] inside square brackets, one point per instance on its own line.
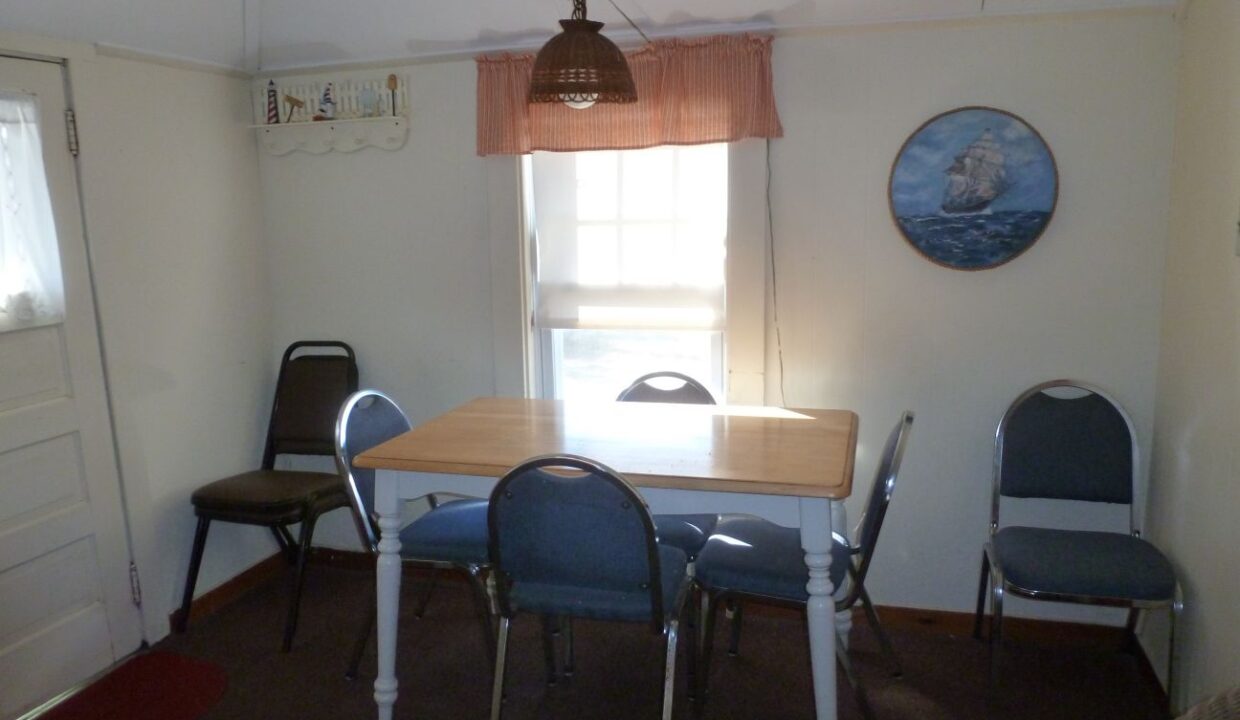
[770, 243]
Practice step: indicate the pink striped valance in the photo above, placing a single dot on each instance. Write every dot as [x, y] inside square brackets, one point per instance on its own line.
[700, 90]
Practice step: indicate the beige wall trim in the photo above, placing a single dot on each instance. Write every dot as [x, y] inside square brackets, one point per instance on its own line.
[124, 53]
[39, 47]
[622, 38]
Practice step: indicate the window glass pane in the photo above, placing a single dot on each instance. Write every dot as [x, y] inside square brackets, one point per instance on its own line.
[649, 184]
[597, 180]
[597, 251]
[31, 289]
[598, 364]
[649, 255]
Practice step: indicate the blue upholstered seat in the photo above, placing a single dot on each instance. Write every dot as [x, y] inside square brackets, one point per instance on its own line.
[1068, 441]
[570, 537]
[1076, 562]
[452, 533]
[551, 598]
[686, 532]
[749, 555]
[455, 532]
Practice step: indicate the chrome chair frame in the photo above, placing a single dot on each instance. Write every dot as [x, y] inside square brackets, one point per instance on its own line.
[992, 577]
[860, 556]
[365, 524]
[692, 392]
[661, 623]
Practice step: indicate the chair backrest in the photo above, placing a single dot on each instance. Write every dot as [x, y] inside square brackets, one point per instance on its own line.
[1077, 444]
[689, 392]
[866, 535]
[585, 530]
[315, 378]
[366, 419]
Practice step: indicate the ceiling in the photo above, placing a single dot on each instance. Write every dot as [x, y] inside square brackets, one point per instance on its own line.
[283, 34]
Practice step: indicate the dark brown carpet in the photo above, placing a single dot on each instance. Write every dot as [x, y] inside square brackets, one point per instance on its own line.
[444, 673]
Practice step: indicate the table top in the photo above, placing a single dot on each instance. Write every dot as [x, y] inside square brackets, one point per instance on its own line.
[769, 451]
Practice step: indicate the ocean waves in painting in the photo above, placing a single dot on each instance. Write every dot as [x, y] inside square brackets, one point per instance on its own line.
[974, 241]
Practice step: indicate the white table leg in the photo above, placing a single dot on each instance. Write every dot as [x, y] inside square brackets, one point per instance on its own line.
[816, 541]
[387, 588]
[843, 618]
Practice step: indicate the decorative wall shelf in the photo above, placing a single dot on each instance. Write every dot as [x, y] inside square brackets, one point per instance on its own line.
[323, 136]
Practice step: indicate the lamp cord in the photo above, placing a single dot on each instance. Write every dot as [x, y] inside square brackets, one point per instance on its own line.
[770, 232]
[622, 14]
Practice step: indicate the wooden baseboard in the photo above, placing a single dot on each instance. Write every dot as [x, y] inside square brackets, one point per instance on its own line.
[1049, 632]
[227, 593]
[943, 622]
[269, 568]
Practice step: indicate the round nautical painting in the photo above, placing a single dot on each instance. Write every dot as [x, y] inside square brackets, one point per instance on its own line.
[973, 188]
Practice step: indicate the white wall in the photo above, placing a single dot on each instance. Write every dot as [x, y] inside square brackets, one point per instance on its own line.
[867, 323]
[171, 195]
[390, 252]
[1195, 490]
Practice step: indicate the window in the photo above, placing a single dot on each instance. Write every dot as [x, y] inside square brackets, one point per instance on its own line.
[629, 267]
[31, 290]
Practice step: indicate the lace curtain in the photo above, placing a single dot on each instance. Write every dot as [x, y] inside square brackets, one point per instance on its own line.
[689, 92]
[31, 291]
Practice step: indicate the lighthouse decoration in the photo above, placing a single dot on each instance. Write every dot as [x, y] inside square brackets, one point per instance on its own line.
[327, 104]
[273, 108]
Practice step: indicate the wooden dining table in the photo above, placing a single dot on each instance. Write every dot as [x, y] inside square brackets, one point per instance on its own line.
[727, 457]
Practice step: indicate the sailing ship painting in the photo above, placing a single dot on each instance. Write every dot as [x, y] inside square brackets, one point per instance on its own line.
[973, 188]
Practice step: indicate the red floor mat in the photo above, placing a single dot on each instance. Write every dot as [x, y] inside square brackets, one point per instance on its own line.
[153, 686]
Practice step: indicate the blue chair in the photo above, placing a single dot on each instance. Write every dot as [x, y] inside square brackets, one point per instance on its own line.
[450, 535]
[572, 538]
[750, 557]
[1076, 444]
[685, 531]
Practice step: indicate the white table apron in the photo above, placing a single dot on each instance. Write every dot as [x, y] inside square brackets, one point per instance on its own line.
[815, 516]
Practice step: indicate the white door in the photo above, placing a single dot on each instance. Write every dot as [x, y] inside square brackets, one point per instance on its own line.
[66, 609]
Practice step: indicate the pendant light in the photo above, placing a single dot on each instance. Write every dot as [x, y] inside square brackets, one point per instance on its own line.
[580, 67]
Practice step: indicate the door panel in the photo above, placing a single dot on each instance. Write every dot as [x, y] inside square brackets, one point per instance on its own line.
[65, 606]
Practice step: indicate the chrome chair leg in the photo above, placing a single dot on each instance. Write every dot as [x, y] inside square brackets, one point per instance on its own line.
[501, 653]
[567, 630]
[706, 644]
[863, 700]
[548, 637]
[884, 640]
[982, 587]
[671, 632]
[996, 625]
[1173, 614]
[484, 608]
[420, 608]
[737, 612]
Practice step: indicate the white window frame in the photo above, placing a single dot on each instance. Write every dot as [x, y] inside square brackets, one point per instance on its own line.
[518, 352]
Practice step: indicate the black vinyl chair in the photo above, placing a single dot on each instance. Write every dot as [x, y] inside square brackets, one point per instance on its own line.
[450, 535]
[315, 378]
[753, 558]
[1076, 444]
[572, 538]
[685, 531]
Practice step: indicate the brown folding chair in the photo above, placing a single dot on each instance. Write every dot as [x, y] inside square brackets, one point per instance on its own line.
[315, 379]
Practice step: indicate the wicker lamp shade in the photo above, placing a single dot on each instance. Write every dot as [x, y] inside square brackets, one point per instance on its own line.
[580, 66]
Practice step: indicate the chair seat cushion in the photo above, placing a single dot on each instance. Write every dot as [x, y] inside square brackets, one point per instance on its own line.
[687, 532]
[633, 605]
[269, 496]
[1087, 563]
[454, 532]
[748, 554]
